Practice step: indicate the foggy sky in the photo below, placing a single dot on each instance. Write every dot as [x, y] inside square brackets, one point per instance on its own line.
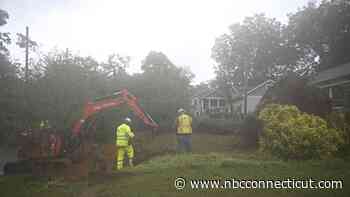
[185, 30]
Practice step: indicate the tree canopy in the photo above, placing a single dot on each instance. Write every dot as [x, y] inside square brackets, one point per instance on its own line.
[256, 45]
[60, 83]
[322, 32]
[315, 38]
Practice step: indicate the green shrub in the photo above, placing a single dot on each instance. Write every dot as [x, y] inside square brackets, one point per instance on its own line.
[292, 134]
[338, 121]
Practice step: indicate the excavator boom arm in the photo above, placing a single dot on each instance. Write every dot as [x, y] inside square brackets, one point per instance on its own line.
[113, 101]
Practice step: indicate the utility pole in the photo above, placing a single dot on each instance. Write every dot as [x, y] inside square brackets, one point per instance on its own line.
[245, 89]
[67, 56]
[27, 53]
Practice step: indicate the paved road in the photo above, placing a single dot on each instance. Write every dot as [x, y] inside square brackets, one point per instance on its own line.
[6, 155]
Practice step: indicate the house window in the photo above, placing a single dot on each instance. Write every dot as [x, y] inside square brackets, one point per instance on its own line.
[222, 103]
[338, 92]
[205, 104]
[213, 102]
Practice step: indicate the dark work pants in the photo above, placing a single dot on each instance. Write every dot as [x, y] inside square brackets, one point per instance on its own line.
[184, 143]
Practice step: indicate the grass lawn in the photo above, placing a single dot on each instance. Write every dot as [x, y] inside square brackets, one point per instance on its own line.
[213, 158]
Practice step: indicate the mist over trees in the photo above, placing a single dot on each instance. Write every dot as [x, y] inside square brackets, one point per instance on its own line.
[315, 38]
[322, 31]
[257, 45]
[8, 84]
[60, 82]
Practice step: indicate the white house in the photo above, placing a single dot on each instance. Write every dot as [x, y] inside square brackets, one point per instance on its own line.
[211, 102]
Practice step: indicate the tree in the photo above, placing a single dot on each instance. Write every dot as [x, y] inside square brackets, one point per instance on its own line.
[156, 62]
[321, 33]
[66, 83]
[256, 49]
[116, 65]
[253, 51]
[10, 102]
[162, 87]
[4, 36]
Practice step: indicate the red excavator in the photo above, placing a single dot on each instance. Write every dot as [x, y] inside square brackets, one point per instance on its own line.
[46, 151]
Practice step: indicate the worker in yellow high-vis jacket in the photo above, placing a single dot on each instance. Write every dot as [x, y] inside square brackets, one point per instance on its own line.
[123, 138]
[184, 131]
[44, 124]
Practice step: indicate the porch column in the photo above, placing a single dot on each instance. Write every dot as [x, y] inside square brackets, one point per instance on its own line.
[330, 92]
[202, 105]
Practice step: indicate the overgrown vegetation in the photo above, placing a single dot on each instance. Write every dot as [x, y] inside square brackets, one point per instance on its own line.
[60, 83]
[156, 178]
[291, 134]
[148, 146]
[295, 90]
[338, 121]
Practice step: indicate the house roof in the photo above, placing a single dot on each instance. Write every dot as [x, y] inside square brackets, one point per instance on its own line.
[214, 93]
[254, 89]
[251, 91]
[203, 92]
[332, 73]
[236, 94]
[209, 92]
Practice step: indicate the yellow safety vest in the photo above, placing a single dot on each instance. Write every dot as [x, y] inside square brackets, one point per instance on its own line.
[123, 134]
[184, 124]
[44, 124]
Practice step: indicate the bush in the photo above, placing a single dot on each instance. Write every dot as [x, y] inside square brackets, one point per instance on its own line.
[216, 126]
[338, 121]
[250, 130]
[291, 134]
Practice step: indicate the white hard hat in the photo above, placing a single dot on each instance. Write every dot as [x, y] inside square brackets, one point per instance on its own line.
[180, 110]
[127, 119]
